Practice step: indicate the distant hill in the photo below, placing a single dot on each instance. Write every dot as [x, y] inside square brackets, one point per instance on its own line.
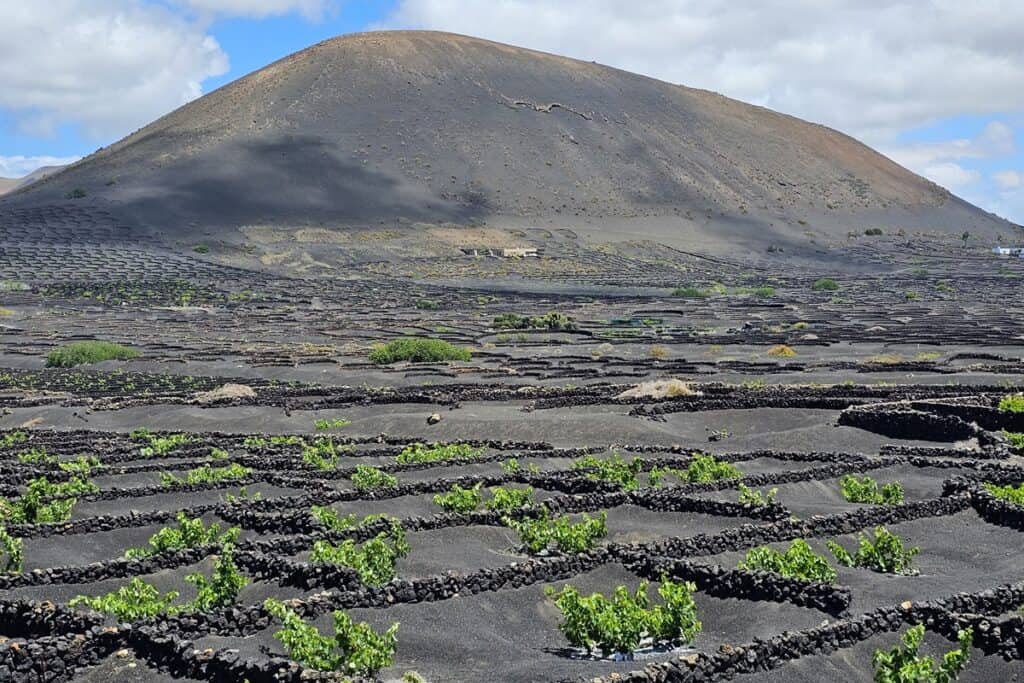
[401, 127]
[10, 184]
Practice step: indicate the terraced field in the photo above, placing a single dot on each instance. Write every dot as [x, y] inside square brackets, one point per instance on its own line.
[642, 435]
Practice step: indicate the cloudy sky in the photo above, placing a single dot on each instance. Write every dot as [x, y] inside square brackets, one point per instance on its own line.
[936, 84]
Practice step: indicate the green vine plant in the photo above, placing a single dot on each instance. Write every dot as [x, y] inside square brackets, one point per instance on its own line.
[512, 466]
[561, 533]
[420, 453]
[866, 490]
[139, 599]
[459, 499]
[621, 624]
[161, 445]
[335, 522]
[462, 500]
[799, 561]
[1009, 493]
[374, 560]
[368, 478]
[327, 424]
[613, 469]
[45, 502]
[886, 553]
[903, 664]
[323, 454]
[756, 499]
[190, 533]
[702, 469]
[206, 474]
[12, 552]
[13, 439]
[355, 649]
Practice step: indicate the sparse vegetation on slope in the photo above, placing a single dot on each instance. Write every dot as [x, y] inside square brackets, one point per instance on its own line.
[87, 352]
[417, 350]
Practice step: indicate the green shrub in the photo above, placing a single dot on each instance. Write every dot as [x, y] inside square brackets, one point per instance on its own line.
[460, 499]
[333, 423]
[1009, 493]
[190, 533]
[620, 624]
[613, 469]
[221, 590]
[548, 321]
[13, 438]
[1012, 403]
[903, 664]
[885, 554]
[798, 562]
[162, 445]
[873, 232]
[508, 499]
[323, 454]
[37, 456]
[45, 502]
[754, 498]
[865, 490]
[137, 600]
[825, 284]
[82, 353]
[427, 304]
[355, 649]
[335, 522]
[911, 295]
[12, 552]
[207, 474]
[690, 293]
[705, 468]
[561, 533]
[201, 249]
[77, 193]
[366, 478]
[374, 560]
[420, 453]
[417, 350]
[1015, 439]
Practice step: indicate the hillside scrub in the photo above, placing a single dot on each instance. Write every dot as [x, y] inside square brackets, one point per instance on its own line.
[87, 352]
[417, 350]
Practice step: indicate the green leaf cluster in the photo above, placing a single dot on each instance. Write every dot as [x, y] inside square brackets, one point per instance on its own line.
[799, 561]
[1012, 403]
[903, 664]
[374, 560]
[749, 496]
[561, 533]
[621, 623]
[12, 552]
[81, 353]
[46, 502]
[207, 474]
[354, 649]
[367, 478]
[866, 490]
[614, 469]
[1009, 493]
[162, 445]
[886, 553]
[335, 522]
[549, 321]
[190, 533]
[421, 453]
[463, 500]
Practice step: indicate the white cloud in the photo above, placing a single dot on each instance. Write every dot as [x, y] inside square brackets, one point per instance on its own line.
[939, 161]
[109, 65]
[1008, 180]
[19, 166]
[871, 68]
[311, 9]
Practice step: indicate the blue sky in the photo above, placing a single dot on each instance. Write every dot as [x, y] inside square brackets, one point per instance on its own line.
[935, 84]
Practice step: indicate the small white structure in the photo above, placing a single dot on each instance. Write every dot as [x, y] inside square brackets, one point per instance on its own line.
[1008, 251]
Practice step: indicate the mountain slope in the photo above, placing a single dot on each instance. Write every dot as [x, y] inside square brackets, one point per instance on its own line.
[420, 126]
